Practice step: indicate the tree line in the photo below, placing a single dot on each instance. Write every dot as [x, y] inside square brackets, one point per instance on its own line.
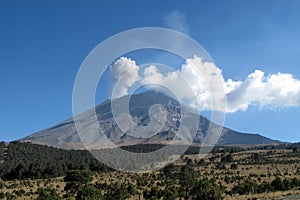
[21, 160]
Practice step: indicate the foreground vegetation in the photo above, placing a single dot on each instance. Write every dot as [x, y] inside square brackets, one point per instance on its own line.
[30, 171]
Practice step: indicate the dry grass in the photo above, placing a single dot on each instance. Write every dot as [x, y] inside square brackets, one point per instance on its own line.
[257, 172]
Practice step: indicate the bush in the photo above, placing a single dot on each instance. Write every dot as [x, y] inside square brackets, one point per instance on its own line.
[2, 195]
[234, 166]
[80, 176]
[47, 194]
[246, 187]
[89, 192]
[205, 189]
[278, 184]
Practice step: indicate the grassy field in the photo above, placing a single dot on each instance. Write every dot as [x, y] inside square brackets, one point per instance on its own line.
[228, 169]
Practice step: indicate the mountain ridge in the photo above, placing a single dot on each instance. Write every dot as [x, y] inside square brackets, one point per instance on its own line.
[64, 134]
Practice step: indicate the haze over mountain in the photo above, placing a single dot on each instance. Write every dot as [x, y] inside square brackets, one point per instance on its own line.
[144, 110]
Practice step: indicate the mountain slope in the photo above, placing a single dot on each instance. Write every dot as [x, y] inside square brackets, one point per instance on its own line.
[64, 135]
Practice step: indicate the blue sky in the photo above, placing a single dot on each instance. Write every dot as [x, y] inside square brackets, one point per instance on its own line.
[42, 44]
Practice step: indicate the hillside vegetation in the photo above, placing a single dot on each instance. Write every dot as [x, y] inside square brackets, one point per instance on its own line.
[30, 171]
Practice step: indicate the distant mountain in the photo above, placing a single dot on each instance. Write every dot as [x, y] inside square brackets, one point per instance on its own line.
[297, 145]
[64, 134]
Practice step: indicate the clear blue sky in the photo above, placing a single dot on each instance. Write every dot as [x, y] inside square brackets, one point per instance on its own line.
[42, 44]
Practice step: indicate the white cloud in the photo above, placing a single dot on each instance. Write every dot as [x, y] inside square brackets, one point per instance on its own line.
[125, 71]
[177, 20]
[173, 81]
[273, 91]
[196, 82]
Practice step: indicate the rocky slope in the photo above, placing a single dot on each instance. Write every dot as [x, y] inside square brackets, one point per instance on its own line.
[143, 108]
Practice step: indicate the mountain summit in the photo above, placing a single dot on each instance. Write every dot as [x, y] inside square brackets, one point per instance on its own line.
[156, 118]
